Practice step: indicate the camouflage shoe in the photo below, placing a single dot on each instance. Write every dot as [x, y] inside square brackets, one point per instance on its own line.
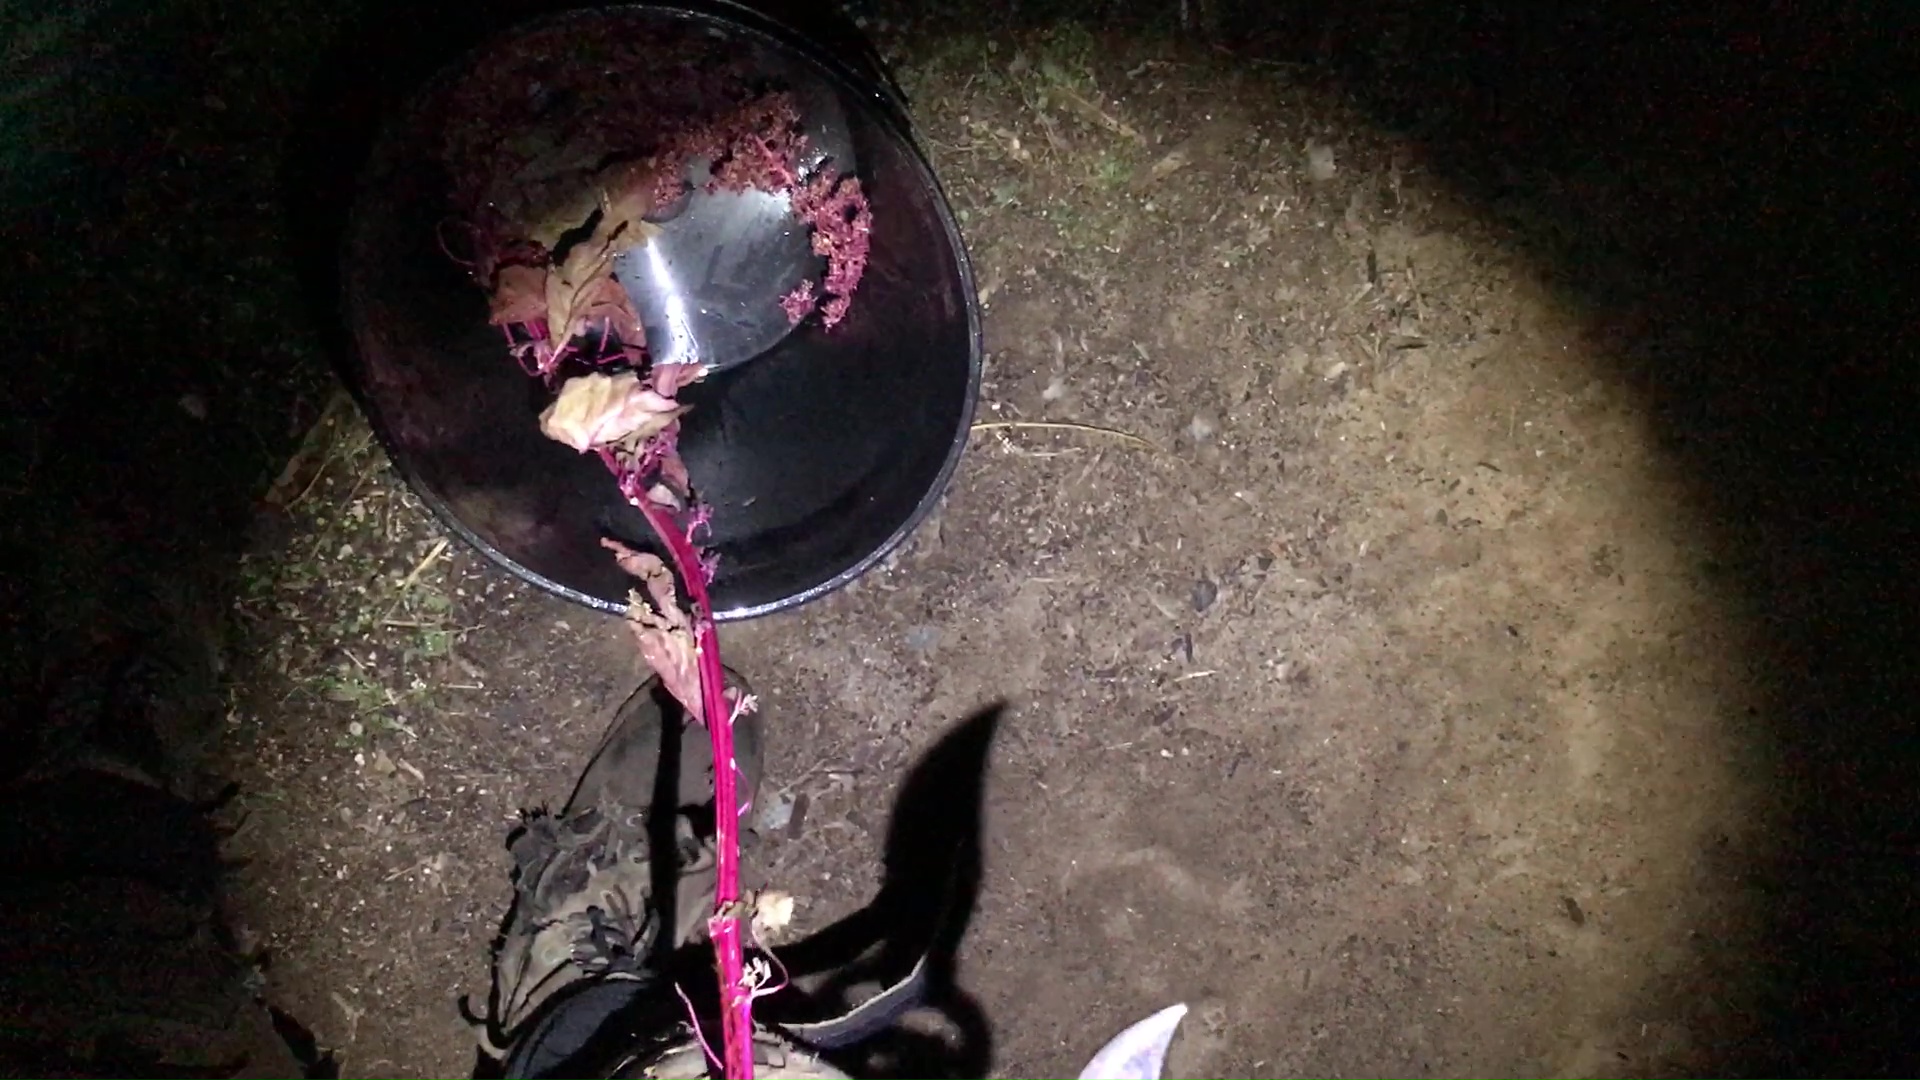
[589, 896]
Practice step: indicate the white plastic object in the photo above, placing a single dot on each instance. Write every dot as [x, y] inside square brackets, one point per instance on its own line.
[1138, 1053]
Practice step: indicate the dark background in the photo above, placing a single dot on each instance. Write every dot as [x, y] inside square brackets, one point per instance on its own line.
[1734, 178]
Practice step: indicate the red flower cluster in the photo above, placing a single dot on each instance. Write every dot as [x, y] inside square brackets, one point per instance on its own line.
[836, 209]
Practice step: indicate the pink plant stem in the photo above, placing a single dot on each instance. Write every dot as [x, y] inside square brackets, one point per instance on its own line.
[736, 997]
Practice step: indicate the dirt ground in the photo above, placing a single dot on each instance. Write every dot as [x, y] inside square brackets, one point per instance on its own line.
[1369, 683]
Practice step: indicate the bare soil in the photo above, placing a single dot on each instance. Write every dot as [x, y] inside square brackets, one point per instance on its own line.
[1380, 697]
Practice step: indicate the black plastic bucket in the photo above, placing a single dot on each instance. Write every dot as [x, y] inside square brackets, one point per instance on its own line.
[818, 456]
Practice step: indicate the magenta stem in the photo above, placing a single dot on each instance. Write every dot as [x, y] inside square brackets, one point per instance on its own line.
[736, 997]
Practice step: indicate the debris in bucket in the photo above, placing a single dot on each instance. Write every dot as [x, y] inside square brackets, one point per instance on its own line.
[596, 410]
[560, 162]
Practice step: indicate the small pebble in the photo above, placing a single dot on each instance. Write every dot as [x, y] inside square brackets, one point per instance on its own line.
[1320, 165]
[1204, 594]
[1181, 648]
[775, 812]
[923, 638]
[1575, 915]
[1202, 428]
[800, 803]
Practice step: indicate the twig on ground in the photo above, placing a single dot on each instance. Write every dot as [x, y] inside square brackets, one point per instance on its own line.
[1097, 115]
[1062, 425]
[311, 444]
[353, 1014]
[433, 554]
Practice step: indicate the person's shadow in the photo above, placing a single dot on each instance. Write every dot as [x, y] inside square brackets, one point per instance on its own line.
[911, 930]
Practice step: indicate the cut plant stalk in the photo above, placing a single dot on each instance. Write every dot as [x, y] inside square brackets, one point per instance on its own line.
[736, 995]
[542, 211]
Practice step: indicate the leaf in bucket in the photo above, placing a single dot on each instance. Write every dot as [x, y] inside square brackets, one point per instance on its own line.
[669, 378]
[567, 208]
[582, 293]
[626, 194]
[598, 410]
[660, 628]
[551, 192]
[519, 295]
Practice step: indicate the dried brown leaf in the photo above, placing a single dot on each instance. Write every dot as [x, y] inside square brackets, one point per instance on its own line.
[660, 628]
[597, 410]
[634, 563]
[552, 216]
[582, 293]
[519, 295]
[625, 193]
[669, 378]
[655, 578]
[670, 653]
[772, 914]
[552, 192]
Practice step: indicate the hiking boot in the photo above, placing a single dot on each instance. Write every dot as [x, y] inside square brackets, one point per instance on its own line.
[590, 895]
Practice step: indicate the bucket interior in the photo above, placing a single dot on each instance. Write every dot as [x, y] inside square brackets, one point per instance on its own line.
[817, 456]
